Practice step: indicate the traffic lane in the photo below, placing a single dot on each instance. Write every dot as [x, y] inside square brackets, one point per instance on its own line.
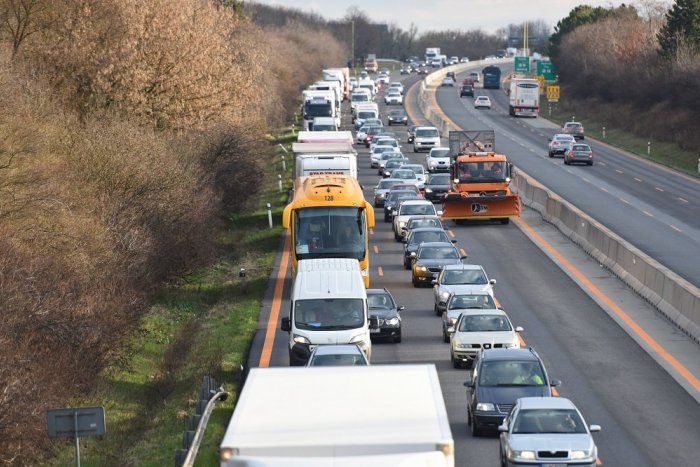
[633, 219]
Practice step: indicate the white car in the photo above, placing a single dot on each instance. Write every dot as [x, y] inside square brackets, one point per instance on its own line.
[426, 137]
[361, 135]
[337, 355]
[419, 171]
[447, 81]
[375, 156]
[384, 141]
[410, 208]
[560, 144]
[396, 85]
[383, 78]
[393, 96]
[456, 279]
[438, 160]
[476, 329]
[388, 155]
[407, 176]
[482, 101]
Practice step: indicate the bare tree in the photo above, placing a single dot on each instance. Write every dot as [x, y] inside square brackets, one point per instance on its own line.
[17, 20]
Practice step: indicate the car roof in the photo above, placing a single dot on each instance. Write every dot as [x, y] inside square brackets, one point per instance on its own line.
[422, 127]
[436, 244]
[527, 403]
[510, 354]
[563, 136]
[426, 229]
[335, 349]
[424, 202]
[462, 267]
[482, 311]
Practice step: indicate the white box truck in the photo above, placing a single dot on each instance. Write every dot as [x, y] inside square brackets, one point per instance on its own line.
[329, 299]
[325, 137]
[318, 103]
[324, 158]
[524, 97]
[336, 416]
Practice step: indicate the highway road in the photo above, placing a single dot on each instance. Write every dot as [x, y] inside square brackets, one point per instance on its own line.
[652, 207]
[648, 419]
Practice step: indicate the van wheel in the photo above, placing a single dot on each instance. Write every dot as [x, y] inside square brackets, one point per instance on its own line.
[397, 339]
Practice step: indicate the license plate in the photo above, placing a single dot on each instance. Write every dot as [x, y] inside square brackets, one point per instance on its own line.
[374, 330]
[552, 465]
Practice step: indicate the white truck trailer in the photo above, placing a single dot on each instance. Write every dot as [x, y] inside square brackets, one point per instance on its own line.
[524, 97]
[324, 158]
[335, 416]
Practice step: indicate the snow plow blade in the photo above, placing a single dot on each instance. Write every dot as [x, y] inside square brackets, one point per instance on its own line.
[462, 206]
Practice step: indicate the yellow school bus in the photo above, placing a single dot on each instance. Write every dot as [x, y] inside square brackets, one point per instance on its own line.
[329, 218]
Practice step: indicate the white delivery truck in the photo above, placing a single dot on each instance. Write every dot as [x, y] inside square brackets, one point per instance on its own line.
[336, 416]
[329, 300]
[342, 75]
[333, 86]
[363, 111]
[524, 97]
[318, 103]
[325, 137]
[324, 158]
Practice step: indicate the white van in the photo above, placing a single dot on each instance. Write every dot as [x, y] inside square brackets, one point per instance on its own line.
[324, 124]
[363, 111]
[360, 96]
[328, 306]
[368, 84]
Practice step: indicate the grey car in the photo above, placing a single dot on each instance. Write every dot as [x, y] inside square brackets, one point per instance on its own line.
[579, 152]
[430, 258]
[459, 303]
[381, 190]
[460, 278]
[547, 431]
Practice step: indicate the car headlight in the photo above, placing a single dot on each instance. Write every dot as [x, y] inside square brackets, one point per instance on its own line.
[463, 346]
[402, 224]
[428, 190]
[445, 295]
[515, 455]
[300, 339]
[422, 268]
[486, 407]
[380, 195]
[392, 321]
[580, 454]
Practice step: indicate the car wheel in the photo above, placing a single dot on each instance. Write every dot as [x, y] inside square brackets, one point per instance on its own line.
[551, 155]
[413, 280]
[476, 431]
[566, 162]
[445, 336]
[397, 339]
[590, 163]
[455, 363]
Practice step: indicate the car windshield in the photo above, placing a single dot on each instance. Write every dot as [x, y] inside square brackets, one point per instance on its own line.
[469, 276]
[362, 97]
[329, 314]
[416, 209]
[387, 142]
[441, 152]
[573, 125]
[380, 301]
[428, 222]
[386, 184]
[548, 421]
[580, 147]
[466, 302]
[416, 168]
[393, 92]
[442, 179]
[479, 172]
[366, 114]
[438, 253]
[511, 373]
[436, 236]
[404, 175]
[397, 113]
[484, 323]
[564, 138]
[427, 133]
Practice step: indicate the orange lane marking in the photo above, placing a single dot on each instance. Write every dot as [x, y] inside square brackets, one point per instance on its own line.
[676, 228]
[276, 305]
[555, 393]
[376, 249]
[371, 231]
[452, 234]
[522, 341]
[380, 271]
[598, 461]
[636, 328]
[638, 179]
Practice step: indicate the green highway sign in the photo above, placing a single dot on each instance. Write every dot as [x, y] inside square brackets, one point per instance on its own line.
[522, 64]
[546, 69]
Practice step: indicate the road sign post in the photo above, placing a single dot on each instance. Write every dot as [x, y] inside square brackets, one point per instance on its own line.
[74, 423]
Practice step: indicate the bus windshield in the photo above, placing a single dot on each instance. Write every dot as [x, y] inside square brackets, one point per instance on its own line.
[334, 232]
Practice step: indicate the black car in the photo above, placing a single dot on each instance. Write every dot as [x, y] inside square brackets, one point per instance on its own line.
[499, 377]
[419, 235]
[436, 185]
[397, 117]
[392, 201]
[451, 74]
[383, 306]
[411, 132]
[430, 258]
[405, 70]
[466, 90]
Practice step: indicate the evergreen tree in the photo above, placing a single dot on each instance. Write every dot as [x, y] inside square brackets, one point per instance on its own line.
[682, 26]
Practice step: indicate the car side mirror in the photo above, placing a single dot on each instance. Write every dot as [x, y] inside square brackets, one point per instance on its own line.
[469, 383]
[400, 308]
[503, 428]
[492, 281]
[286, 325]
[519, 329]
[451, 330]
[463, 257]
[413, 254]
[555, 383]
[373, 322]
[594, 428]
[453, 241]
[434, 281]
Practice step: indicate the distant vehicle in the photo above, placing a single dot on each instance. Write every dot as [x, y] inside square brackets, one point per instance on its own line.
[524, 97]
[466, 90]
[397, 117]
[365, 131]
[406, 70]
[431, 53]
[436, 62]
[371, 65]
[423, 71]
[419, 170]
[411, 133]
[460, 279]
[381, 190]
[447, 81]
[519, 370]
[464, 60]
[574, 129]
[453, 60]
[383, 78]
[552, 429]
[397, 85]
[560, 143]
[579, 152]
[392, 164]
[337, 355]
[393, 96]
[501, 53]
[474, 76]
[430, 258]
[324, 124]
[395, 196]
[426, 137]
[477, 328]
[492, 77]
[382, 306]
[482, 102]
[438, 159]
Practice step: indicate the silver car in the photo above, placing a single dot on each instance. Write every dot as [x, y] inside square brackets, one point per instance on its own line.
[460, 303]
[547, 431]
[460, 279]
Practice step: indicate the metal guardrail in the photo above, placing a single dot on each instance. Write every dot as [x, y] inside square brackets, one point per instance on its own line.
[209, 395]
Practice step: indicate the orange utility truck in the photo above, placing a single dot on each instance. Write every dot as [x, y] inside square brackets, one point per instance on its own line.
[480, 180]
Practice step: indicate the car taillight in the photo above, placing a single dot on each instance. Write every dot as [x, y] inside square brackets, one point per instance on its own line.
[590, 155]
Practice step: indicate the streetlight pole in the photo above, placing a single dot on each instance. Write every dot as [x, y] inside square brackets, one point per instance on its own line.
[353, 45]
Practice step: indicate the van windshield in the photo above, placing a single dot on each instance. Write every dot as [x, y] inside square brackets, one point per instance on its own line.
[329, 314]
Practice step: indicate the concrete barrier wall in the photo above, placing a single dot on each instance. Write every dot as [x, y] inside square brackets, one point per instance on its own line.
[673, 296]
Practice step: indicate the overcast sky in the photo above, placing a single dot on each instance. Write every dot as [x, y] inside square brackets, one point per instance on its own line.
[428, 15]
